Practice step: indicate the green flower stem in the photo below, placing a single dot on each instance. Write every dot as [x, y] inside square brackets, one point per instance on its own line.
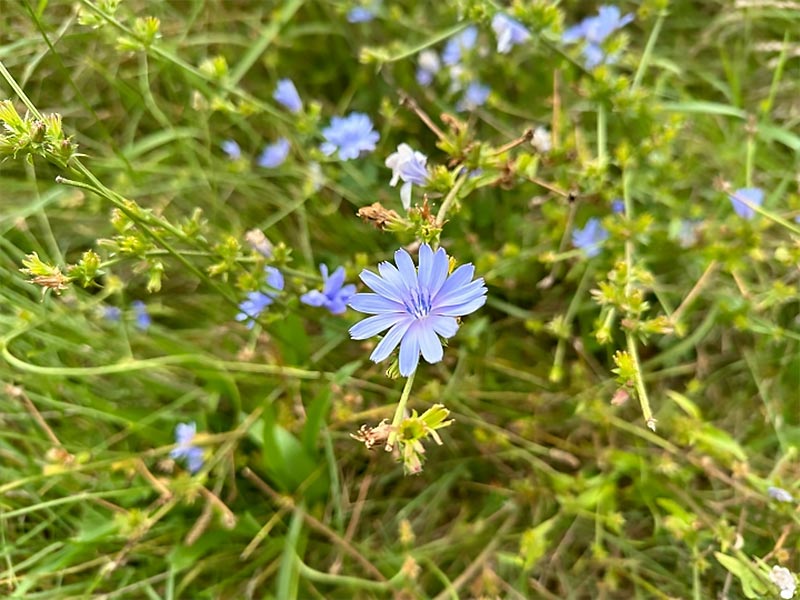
[602, 130]
[398, 413]
[641, 391]
[450, 198]
[348, 581]
[648, 50]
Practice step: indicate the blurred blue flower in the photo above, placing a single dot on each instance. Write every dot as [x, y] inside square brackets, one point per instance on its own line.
[460, 42]
[779, 494]
[286, 94]
[416, 305]
[334, 295]
[408, 165]
[192, 455]
[231, 148]
[752, 195]
[590, 238]
[350, 135]
[141, 316]
[257, 302]
[475, 95]
[617, 206]
[360, 14]
[274, 155]
[112, 313]
[428, 64]
[594, 31]
[509, 32]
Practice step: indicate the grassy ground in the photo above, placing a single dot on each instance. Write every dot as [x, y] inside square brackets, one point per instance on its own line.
[618, 418]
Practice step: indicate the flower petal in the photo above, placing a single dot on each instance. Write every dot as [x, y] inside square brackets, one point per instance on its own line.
[392, 277]
[405, 194]
[444, 326]
[459, 297]
[383, 286]
[390, 340]
[314, 298]
[406, 267]
[373, 326]
[409, 353]
[374, 304]
[425, 266]
[462, 309]
[429, 343]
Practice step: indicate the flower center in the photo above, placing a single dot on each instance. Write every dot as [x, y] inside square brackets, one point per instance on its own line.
[418, 303]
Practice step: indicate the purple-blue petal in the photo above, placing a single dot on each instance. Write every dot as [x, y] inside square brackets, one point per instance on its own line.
[373, 325]
[391, 339]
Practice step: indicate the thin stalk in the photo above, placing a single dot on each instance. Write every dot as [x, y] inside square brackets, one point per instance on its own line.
[648, 50]
[399, 411]
[641, 391]
[449, 199]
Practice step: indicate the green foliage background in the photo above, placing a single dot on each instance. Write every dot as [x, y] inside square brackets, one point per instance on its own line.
[544, 487]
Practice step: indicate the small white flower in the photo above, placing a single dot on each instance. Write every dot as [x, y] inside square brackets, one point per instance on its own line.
[783, 578]
[542, 140]
[429, 60]
[779, 494]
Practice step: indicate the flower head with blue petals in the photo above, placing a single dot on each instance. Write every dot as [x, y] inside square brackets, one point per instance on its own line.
[258, 301]
[475, 95]
[591, 237]
[360, 14]
[231, 149]
[428, 65]
[741, 196]
[458, 44]
[286, 95]
[417, 306]
[509, 32]
[408, 165]
[594, 31]
[334, 295]
[141, 316]
[186, 451]
[350, 135]
[274, 155]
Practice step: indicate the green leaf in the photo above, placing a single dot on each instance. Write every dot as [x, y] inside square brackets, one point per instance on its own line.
[752, 585]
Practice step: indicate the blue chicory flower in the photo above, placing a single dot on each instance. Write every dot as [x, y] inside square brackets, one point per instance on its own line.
[350, 135]
[112, 313]
[428, 65]
[408, 165]
[274, 155]
[590, 238]
[416, 305]
[459, 43]
[779, 494]
[286, 95]
[141, 316]
[751, 195]
[257, 301]
[617, 206]
[594, 31]
[334, 295]
[232, 149]
[509, 32]
[193, 455]
[360, 14]
[475, 95]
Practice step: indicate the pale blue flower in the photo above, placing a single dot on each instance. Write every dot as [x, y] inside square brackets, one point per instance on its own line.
[617, 206]
[594, 31]
[192, 455]
[141, 316]
[752, 195]
[360, 14]
[275, 154]
[459, 43]
[509, 32]
[428, 65]
[257, 301]
[779, 494]
[350, 135]
[112, 313]
[232, 149]
[286, 94]
[334, 295]
[475, 95]
[590, 238]
[408, 165]
[416, 305]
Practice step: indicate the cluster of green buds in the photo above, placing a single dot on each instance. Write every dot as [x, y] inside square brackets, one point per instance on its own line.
[34, 136]
[50, 277]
